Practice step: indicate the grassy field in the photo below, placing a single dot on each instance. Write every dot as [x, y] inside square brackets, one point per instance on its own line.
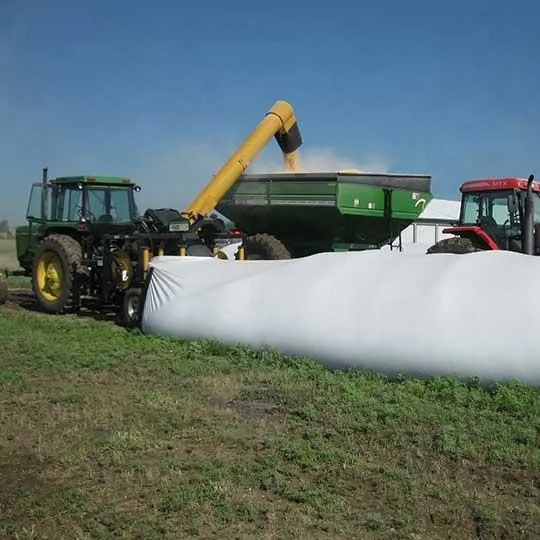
[111, 434]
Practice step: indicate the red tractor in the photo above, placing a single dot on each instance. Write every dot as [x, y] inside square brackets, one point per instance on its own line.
[496, 214]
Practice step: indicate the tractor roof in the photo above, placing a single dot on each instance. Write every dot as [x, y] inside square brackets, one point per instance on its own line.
[102, 180]
[497, 184]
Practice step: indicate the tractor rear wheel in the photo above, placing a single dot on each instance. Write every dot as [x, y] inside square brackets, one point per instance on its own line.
[456, 245]
[265, 247]
[56, 263]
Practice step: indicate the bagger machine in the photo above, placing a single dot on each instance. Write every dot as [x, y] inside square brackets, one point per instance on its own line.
[85, 240]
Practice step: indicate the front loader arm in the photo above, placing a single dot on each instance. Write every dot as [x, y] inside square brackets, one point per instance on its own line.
[279, 122]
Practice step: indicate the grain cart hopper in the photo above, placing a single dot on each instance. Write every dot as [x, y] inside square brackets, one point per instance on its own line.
[496, 214]
[289, 215]
[85, 239]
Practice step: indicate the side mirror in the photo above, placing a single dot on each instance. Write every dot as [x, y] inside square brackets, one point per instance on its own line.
[137, 188]
[513, 206]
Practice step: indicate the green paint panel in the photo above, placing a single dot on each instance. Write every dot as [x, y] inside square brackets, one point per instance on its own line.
[22, 241]
[28, 236]
[295, 193]
[361, 200]
[305, 189]
[407, 204]
[251, 188]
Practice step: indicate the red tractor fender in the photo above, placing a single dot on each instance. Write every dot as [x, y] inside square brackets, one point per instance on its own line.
[473, 230]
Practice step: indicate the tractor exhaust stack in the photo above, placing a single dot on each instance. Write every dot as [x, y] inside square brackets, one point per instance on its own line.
[44, 193]
[528, 220]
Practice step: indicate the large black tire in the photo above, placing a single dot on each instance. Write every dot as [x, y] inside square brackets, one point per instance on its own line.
[56, 264]
[265, 247]
[456, 245]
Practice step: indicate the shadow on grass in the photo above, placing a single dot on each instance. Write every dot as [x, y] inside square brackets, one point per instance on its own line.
[23, 299]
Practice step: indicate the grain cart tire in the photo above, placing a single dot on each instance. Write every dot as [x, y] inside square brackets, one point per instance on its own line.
[131, 307]
[456, 245]
[3, 290]
[265, 247]
[56, 263]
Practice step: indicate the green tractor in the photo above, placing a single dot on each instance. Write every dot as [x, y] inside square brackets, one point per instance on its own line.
[86, 241]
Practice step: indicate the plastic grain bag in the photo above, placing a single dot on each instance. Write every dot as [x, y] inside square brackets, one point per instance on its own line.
[420, 315]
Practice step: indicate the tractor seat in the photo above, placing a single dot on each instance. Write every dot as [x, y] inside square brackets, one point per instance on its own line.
[105, 218]
[488, 222]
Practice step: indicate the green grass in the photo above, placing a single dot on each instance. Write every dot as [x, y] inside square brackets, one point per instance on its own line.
[109, 434]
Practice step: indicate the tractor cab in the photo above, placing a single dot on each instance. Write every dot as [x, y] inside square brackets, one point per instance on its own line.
[496, 214]
[89, 203]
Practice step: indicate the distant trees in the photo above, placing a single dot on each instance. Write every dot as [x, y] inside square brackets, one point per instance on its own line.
[5, 230]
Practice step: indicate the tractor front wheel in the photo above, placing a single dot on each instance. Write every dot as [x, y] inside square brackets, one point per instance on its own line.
[56, 263]
[456, 245]
[131, 311]
[265, 247]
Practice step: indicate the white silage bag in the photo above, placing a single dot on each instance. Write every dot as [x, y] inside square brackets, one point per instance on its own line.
[465, 315]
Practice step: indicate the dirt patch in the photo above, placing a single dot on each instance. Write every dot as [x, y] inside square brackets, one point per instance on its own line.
[20, 299]
[20, 474]
[255, 409]
[252, 410]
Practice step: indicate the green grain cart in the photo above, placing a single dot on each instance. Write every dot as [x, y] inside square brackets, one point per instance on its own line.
[290, 215]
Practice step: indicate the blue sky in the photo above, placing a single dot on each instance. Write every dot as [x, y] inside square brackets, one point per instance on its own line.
[164, 91]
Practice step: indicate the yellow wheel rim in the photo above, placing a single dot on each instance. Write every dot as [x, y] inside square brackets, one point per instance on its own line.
[50, 276]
